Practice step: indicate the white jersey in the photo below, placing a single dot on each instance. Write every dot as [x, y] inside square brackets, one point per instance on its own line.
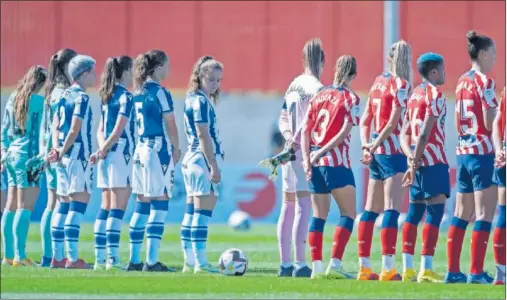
[298, 95]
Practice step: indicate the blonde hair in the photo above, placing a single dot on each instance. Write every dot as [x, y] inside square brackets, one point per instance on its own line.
[203, 66]
[313, 56]
[401, 61]
[33, 79]
[344, 69]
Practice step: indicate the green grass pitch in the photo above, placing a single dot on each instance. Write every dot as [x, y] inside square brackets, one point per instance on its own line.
[260, 281]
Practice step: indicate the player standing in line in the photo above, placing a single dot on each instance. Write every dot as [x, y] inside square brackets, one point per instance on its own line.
[3, 191]
[325, 146]
[499, 140]
[293, 220]
[20, 142]
[475, 111]
[385, 107]
[200, 165]
[51, 226]
[156, 155]
[115, 139]
[72, 124]
[423, 141]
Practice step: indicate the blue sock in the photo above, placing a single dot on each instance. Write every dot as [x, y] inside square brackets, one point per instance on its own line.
[500, 223]
[8, 234]
[415, 213]
[113, 230]
[186, 236]
[72, 228]
[99, 229]
[434, 214]
[155, 229]
[21, 225]
[45, 233]
[199, 235]
[136, 231]
[57, 230]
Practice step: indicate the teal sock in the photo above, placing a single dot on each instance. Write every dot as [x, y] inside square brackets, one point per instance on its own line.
[21, 225]
[45, 233]
[7, 234]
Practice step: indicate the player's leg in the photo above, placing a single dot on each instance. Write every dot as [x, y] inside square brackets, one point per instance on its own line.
[27, 196]
[300, 227]
[99, 231]
[45, 223]
[7, 225]
[204, 206]
[79, 194]
[3, 192]
[393, 195]
[186, 236]
[158, 172]
[320, 204]
[58, 232]
[119, 201]
[463, 211]
[485, 196]
[374, 205]
[499, 231]
[286, 221]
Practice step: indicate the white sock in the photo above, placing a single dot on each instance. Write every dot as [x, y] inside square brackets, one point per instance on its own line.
[501, 268]
[317, 266]
[300, 264]
[388, 262]
[335, 263]
[408, 261]
[365, 262]
[426, 262]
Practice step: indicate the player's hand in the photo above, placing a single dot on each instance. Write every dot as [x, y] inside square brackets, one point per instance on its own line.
[215, 175]
[408, 178]
[367, 157]
[499, 159]
[93, 159]
[176, 156]
[53, 155]
[314, 156]
[307, 166]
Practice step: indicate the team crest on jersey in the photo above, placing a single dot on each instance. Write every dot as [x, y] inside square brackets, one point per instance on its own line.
[127, 158]
[85, 164]
[164, 168]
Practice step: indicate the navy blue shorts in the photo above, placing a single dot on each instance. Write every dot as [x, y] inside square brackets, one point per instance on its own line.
[326, 179]
[474, 172]
[430, 182]
[499, 176]
[385, 166]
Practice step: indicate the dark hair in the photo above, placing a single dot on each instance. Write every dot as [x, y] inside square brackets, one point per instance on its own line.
[426, 67]
[476, 43]
[57, 72]
[146, 63]
[33, 79]
[113, 71]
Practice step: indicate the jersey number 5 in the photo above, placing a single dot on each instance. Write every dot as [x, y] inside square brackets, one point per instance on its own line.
[468, 120]
[139, 118]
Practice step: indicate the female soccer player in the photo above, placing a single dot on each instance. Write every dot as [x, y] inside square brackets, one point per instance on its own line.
[423, 141]
[201, 169]
[20, 142]
[386, 104]
[499, 139]
[475, 111]
[115, 138]
[72, 137]
[325, 147]
[156, 155]
[51, 226]
[293, 223]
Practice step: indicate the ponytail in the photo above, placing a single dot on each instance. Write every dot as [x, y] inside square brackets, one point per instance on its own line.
[313, 56]
[108, 80]
[145, 65]
[401, 61]
[345, 68]
[57, 71]
[34, 79]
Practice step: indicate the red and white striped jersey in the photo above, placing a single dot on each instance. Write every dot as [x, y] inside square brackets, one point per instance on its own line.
[475, 93]
[427, 100]
[328, 112]
[388, 91]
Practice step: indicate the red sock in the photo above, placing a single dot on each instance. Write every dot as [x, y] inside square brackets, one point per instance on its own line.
[340, 240]
[388, 237]
[364, 237]
[499, 245]
[478, 251]
[409, 236]
[455, 239]
[430, 239]
[315, 242]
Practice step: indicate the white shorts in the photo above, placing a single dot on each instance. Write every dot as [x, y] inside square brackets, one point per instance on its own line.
[196, 175]
[293, 176]
[153, 172]
[115, 171]
[74, 176]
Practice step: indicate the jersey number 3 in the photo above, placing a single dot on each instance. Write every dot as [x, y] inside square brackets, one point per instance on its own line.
[322, 121]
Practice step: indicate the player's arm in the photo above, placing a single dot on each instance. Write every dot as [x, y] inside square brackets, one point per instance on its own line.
[365, 124]
[283, 123]
[166, 103]
[405, 138]
[78, 115]
[305, 142]
[6, 124]
[496, 134]
[43, 132]
[336, 140]
[201, 119]
[126, 105]
[422, 141]
[489, 104]
[394, 118]
[101, 139]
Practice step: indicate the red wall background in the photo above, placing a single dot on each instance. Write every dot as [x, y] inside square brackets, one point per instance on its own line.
[259, 42]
